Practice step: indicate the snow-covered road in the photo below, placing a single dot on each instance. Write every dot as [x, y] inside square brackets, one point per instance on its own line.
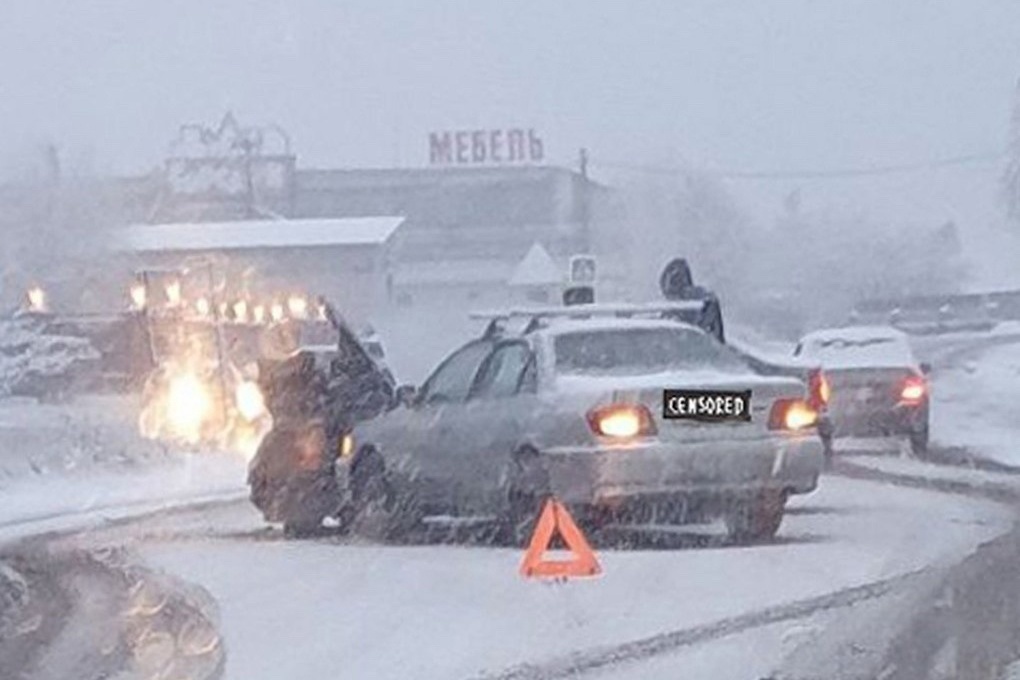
[687, 605]
[336, 609]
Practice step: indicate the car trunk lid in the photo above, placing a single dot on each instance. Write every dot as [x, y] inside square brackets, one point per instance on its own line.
[865, 388]
[649, 391]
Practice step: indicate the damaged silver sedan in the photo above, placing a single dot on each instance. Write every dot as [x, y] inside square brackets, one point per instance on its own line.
[575, 406]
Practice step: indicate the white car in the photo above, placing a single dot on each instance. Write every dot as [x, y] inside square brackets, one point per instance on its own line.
[576, 408]
[877, 386]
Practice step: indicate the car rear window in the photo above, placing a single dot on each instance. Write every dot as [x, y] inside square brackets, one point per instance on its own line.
[642, 350]
[861, 351]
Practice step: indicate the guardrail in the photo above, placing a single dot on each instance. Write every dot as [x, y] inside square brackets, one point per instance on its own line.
[945, 313]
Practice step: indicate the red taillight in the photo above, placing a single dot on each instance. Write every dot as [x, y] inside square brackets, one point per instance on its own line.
[913, 390]
[792, 414]
[818, 390]
[621, 421]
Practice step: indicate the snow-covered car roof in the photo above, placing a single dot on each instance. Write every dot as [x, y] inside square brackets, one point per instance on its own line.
[858, 347]
[558, 326]
[855, 333]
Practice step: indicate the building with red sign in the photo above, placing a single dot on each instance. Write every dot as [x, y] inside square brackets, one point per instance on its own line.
[466, 232]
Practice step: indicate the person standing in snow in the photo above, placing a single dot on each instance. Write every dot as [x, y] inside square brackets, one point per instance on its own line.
[677, 284]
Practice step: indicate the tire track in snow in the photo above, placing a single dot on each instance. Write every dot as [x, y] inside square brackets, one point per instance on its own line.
[578, 663]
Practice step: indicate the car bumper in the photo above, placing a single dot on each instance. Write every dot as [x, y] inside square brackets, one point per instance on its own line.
[600, 474]
[879, 422]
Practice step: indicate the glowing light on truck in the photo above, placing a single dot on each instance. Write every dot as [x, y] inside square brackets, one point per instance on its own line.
[241, 311]
[298, 307]
[189, 406]
[173, 294]
[36, 297]
[202, 306]
[138, 297]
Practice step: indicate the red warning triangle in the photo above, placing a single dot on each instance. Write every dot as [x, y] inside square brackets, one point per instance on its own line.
[555, 518]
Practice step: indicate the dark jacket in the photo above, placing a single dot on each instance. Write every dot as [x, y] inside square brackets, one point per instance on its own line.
[677, 284]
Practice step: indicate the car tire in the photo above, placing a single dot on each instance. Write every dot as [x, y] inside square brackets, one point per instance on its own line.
[919, 443]
[828, 450]
[305, 506]
[756, 518]
[378, 510]
[527, 491]
[303, 528]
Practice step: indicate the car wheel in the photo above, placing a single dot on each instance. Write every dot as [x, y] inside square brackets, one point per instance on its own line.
[919, 443]
[304, 504]
[527, 490]
[828, 449]
[519, 524]
[379, 511]
[756, 518]
[303, 528]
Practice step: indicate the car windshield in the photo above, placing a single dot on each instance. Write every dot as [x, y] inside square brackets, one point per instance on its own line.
[630, 351]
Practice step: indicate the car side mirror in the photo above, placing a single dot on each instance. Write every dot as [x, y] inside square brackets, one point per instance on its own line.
[406, 395]
[925, 367]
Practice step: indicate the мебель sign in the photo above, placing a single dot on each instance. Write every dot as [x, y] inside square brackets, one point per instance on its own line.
[469, 147]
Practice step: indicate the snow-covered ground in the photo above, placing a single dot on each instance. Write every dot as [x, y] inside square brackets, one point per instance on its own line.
[320, 609]
[975, 402]
[355, 609]
[74, 464]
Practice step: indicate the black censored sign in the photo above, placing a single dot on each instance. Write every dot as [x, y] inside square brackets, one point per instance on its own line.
[709, 406]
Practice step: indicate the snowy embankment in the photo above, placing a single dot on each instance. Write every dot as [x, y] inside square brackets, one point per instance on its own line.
[974, 404]
[61, 465]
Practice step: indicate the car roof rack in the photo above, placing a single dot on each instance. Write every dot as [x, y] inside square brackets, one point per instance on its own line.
[538, 316]
[620, 310]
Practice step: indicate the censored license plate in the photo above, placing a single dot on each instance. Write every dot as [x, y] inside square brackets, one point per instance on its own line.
[709, 406]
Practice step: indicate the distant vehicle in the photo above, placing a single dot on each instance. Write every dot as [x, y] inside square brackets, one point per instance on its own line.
[573, 406]
[877, 387]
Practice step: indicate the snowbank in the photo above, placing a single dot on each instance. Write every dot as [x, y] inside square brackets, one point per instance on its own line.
[86, 457]
[974, 405]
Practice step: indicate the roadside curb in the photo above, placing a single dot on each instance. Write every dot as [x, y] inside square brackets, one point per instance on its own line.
[1000, 491]
[959, 621]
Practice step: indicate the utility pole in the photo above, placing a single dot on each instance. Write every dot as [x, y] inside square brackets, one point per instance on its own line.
[585, 208]
[246, 146]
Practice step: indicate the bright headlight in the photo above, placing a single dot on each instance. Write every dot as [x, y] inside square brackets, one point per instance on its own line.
[188, 405]
[250, 402]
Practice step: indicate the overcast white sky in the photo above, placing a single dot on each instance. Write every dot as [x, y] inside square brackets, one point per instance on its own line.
[794, 84]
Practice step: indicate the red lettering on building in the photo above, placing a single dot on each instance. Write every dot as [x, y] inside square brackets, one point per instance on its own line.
[477, 147]
[440, 148]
